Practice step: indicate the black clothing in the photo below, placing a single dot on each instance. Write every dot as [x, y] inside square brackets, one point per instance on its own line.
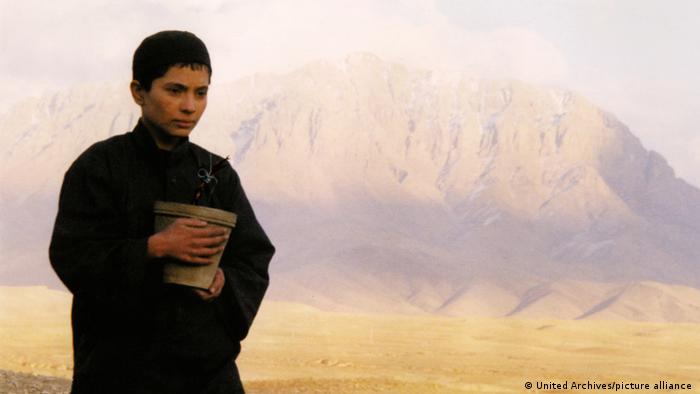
[131, 332]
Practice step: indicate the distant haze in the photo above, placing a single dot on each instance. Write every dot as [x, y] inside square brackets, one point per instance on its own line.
[395, 189]
[633, 58]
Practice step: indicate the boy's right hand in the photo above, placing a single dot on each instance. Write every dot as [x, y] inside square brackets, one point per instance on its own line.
[189, 240]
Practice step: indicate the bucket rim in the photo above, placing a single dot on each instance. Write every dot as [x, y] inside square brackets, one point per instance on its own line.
[208, 214]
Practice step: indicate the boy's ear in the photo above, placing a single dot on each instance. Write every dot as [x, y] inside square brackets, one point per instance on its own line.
[137, 92]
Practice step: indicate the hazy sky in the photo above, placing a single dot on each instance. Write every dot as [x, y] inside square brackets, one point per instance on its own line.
[636, 58]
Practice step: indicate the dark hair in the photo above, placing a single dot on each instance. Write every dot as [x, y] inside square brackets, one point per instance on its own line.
[160, 51]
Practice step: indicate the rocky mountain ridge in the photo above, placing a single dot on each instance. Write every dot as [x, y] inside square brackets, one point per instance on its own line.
[385, 186]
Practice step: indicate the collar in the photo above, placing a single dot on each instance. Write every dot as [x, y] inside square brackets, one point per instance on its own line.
[145, 141]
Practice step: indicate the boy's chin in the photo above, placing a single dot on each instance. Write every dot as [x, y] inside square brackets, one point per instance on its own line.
[180, 133]
[177, 131]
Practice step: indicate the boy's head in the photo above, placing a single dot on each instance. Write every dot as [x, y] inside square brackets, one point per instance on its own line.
[172, 72]
[160, 51]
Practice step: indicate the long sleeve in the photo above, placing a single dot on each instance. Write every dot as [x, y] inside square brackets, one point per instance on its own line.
[128, 326]
[90, 249]
[245, 264]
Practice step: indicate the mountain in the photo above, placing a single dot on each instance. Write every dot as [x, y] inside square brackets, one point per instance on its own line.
[397, 190]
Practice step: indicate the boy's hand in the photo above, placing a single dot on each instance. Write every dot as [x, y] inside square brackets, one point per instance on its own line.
[188, 240]
[214, 290]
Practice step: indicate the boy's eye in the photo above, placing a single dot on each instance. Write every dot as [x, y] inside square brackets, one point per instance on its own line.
[174, 89]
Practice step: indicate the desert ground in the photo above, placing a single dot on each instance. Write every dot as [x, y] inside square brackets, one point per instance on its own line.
[297, 349]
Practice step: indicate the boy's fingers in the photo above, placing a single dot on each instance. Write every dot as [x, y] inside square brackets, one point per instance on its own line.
[198, 259]
[211, 242]
[192, 222]
[206, 232]
[206, 252]
[203, 294]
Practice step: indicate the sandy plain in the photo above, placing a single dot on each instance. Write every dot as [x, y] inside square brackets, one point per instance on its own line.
[297, 349]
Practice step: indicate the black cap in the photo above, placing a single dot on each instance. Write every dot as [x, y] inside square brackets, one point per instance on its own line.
[161, 50]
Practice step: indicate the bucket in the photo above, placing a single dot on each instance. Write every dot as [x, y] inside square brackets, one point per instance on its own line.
[194, 275]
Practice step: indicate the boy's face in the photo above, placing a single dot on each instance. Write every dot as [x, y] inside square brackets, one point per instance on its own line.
[175, 102]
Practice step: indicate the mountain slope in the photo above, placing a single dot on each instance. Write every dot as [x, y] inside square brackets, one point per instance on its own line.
[391, 189]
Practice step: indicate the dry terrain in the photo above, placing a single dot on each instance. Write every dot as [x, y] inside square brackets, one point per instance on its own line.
[298, 349]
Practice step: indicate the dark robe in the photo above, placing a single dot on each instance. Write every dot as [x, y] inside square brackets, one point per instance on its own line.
[131, 332]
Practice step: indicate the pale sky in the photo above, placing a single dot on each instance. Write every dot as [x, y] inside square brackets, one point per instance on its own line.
[636, 58]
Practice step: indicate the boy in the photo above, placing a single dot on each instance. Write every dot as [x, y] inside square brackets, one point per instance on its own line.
[131, 332]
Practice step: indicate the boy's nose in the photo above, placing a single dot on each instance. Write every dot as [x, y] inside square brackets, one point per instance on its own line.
[188, 104]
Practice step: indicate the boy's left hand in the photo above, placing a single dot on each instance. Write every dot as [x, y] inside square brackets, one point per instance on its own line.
[214, 289]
